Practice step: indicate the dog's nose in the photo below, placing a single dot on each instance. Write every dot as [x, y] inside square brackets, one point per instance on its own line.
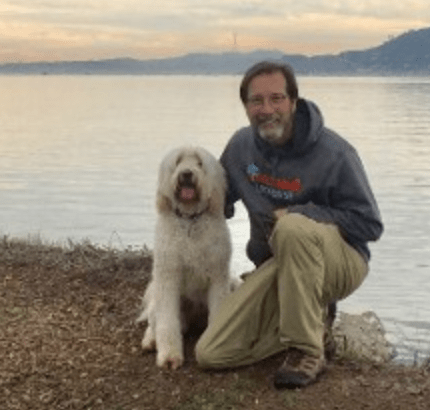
[186, 177]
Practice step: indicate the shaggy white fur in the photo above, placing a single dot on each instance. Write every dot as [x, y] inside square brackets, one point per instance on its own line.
[192, 250]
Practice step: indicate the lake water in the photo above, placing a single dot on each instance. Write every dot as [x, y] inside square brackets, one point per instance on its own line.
[79, 158]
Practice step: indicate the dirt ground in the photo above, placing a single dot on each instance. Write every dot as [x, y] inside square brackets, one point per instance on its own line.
[68, 340]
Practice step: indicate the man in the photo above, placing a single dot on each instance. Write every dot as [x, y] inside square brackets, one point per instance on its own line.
[312, 213]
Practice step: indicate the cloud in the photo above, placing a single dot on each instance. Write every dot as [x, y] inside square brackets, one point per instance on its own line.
[151, 28]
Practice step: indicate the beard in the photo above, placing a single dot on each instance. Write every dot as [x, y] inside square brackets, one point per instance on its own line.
[271, 130]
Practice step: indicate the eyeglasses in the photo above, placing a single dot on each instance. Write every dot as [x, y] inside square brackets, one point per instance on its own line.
[275, 100]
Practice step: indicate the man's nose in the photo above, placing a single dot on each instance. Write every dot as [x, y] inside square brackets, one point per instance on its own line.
[267, 107]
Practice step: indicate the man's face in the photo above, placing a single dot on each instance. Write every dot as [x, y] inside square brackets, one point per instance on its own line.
[269, 108]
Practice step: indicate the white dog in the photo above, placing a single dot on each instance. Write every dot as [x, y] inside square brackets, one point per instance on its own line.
[191, 253]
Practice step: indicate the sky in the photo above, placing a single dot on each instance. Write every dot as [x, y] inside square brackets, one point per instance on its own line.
[54, 30]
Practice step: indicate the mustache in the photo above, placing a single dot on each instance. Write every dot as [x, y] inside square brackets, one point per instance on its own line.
[267, 118]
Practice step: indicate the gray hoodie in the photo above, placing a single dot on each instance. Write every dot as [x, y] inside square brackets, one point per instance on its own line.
[317, 174]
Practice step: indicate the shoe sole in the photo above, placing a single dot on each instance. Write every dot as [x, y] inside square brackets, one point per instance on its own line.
[297, 384]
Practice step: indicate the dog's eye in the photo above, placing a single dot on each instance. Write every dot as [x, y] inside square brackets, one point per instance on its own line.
[178, 160]
[199, 161]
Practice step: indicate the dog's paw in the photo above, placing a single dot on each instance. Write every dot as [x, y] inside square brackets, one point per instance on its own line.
[235, 283]
[170, 360]
[148, 341]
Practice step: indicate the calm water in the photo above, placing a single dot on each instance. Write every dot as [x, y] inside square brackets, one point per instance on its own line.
[79, 157]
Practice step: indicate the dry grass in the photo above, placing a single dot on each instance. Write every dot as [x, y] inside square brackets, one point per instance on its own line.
[84, 255]
[69, 341]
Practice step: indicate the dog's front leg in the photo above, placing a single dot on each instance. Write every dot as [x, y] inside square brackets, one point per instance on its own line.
[168, 334]
[148, 341]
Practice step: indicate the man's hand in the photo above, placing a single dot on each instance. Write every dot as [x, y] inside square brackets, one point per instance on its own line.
[279, 213]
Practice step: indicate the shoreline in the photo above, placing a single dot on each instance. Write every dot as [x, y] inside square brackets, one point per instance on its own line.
[136, 262]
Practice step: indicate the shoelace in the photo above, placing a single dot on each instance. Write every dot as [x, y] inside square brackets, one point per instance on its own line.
[294, 357]
[300, 361]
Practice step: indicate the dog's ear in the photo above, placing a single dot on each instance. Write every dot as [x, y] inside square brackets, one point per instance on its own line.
[217, 199]
[164, 204]
[219, 189]
[216, 203]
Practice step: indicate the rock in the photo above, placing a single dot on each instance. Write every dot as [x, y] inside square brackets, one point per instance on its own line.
[362, 337]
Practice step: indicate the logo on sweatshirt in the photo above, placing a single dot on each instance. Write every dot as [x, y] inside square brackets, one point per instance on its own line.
[277, 188]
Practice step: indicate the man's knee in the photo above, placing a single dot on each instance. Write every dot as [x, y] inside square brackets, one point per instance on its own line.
[210, 356]
[203, 355]
[292, 228]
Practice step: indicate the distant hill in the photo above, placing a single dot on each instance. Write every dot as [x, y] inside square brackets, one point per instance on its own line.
[407, 54]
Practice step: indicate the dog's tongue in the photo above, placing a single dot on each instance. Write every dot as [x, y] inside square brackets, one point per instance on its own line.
[187, 193]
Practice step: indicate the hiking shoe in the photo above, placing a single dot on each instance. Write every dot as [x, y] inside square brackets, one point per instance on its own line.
[299, 369]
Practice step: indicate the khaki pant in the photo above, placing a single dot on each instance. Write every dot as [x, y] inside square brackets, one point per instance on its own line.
[283, 302]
